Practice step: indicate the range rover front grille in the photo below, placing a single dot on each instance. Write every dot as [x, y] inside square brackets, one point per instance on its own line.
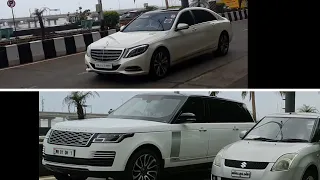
[245, 164]
[105, 55]
[68, 138]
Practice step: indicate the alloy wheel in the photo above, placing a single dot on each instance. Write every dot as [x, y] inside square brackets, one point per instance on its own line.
[224, 44]
[145, 168]
[161, 64]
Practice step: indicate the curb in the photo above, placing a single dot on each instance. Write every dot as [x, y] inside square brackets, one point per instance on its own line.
[18, 54]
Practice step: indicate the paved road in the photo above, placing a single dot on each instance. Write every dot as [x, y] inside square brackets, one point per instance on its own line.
[184, 176]
[206, 71]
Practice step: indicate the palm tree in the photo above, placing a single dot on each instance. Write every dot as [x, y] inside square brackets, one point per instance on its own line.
[39, 13]
[213, 93]
[308, 109]
[252, 98]
[78, 99]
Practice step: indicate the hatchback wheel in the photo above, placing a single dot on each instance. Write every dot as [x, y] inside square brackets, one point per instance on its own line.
[310, 175]
[143, 165]
[160, 64]
[223, 46]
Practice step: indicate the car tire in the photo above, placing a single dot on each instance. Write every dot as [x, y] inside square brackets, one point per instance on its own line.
[223, 45]
[59, 176]
[310, 175]
[144, 162]
[160, 64]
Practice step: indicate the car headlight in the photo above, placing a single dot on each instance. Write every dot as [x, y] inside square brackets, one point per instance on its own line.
[88, 52]
[218, 159]
[135, 51]
[48, 134]
[111, 137]
[284, 162]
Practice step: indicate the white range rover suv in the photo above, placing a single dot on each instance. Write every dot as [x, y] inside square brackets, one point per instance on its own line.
[147, 135]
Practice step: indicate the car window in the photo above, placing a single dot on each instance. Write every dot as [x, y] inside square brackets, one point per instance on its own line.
[203, 16]
[186, 18]
[195, 106]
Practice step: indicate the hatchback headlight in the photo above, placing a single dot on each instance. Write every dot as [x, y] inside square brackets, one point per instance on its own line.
[284, 162]
[111, 137]
[218, 159]
[135, 51]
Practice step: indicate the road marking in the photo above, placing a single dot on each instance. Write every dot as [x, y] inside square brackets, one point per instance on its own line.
[47, 178]
[83, 73]
[46, 60]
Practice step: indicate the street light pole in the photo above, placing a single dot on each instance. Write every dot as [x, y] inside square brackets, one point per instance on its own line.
[101, 15]
[290, 102]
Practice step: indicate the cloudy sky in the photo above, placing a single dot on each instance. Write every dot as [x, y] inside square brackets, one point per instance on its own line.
[23, 6]
[266, 102]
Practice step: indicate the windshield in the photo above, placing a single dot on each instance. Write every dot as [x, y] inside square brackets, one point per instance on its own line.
[160, 108]
[279, 129]
[155, 21]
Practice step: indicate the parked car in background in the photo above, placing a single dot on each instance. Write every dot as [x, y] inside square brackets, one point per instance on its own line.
[279, 147]
[128, 16]
[147, 135]
[157, 40]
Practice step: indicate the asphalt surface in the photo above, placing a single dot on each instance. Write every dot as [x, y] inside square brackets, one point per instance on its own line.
[206, 71]
[184, 176]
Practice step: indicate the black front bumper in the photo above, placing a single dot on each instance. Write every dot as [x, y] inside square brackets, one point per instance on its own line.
[84, 172]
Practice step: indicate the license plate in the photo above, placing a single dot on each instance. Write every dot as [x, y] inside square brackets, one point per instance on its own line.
[64, 152]
[103, 66]
[241, 174]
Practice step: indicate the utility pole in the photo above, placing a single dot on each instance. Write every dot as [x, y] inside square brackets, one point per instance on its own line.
[167, 4]
[42, 104]
[101, 18]
[290, 102]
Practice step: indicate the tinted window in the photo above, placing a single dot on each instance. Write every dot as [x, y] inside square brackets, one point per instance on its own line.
[203, 16]
[195, 106]
[227, 112]
[155, 21]
[187, 18]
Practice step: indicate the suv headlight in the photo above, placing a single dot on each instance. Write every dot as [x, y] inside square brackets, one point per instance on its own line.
[111, 137]
[284, 162]
[218, 159]
[135, 51]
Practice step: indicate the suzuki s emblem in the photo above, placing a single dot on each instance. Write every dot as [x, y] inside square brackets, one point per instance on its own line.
[243, 164]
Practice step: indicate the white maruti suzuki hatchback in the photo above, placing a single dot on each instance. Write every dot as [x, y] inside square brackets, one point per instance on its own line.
[280, 147]
[147, 135]
[156, 40]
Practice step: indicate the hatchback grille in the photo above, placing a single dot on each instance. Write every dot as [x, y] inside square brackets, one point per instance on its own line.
[69, 138]
[105, 55]
[248, 164]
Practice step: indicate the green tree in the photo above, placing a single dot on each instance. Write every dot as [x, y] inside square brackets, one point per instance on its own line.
[308, 109]
[39, 14]
[213, 93]
[111, 18]
[78, 99]
[151, 8]
[252, 98]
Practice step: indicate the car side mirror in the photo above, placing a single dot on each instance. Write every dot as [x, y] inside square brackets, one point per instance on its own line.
[182, 26]
[242, 134]
[122, 27]
[187, 118]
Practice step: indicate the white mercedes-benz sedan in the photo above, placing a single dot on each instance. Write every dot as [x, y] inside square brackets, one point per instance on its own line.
[156, 40]
[279, 147]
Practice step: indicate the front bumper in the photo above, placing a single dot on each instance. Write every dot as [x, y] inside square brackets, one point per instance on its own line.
[138, 65]
[88, 161]
[224, 173]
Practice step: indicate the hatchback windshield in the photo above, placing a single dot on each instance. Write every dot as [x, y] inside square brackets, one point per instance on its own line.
[160, 108]
[280, 129]
[152, 21]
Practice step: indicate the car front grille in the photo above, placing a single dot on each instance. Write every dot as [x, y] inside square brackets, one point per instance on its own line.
[105, 55]
[245, 164]
[68, 138]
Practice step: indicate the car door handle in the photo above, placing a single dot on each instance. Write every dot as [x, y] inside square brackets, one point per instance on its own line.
[235, 129]
[202, 130]
[194, 29]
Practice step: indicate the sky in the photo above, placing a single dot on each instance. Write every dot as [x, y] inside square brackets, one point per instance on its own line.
[266, 102]
[22, 6]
